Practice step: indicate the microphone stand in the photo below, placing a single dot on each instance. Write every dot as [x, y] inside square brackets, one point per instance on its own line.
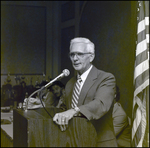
[26, 107]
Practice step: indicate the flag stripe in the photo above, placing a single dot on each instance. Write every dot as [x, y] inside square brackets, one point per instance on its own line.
[141, 36]
[135, 106]
[142, 78]
[141, 46]
[141, 87]
[143, 122]
[147, 38]
[142, 67]
[146, 137]
[146, 8]
[141, 26]
[136, 138]
[137, 103]
[147, 21]
[136, 121]
[141, 57]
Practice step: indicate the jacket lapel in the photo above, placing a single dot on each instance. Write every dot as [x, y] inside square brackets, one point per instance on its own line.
[91, 78]
[71, 91]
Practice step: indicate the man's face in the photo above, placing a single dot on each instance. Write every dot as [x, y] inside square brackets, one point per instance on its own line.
[56, 90]
[81, 63]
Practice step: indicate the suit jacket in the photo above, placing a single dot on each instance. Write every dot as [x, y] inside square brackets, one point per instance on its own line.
[96, 103]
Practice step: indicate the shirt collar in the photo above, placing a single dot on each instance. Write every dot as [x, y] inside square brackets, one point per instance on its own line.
[85, 74]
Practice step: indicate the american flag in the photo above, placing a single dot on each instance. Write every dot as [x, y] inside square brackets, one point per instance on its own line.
[140, 113]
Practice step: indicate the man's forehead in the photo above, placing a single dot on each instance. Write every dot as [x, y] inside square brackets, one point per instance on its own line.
[79, 44]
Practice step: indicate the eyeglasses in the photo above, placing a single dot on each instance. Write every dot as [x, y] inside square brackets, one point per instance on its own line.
[78, 54]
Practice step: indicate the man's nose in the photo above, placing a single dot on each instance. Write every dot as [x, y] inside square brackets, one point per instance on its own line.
[75, 57]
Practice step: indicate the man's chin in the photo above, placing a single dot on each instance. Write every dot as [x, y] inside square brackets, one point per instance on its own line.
[76, 67]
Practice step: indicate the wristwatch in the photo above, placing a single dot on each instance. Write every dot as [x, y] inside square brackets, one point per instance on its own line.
[77, 110]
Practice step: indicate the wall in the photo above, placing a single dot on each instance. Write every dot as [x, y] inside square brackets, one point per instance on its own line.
[36, 53]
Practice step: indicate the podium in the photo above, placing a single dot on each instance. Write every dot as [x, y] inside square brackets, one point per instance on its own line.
[35, 128]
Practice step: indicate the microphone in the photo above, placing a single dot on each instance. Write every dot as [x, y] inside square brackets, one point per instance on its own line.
[64, 73]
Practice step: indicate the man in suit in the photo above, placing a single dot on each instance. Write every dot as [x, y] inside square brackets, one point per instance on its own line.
[96, 93]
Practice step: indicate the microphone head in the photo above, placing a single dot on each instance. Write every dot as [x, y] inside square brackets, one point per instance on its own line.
[66, 72]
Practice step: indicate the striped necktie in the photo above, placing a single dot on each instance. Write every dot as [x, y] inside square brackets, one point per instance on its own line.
[76, 91]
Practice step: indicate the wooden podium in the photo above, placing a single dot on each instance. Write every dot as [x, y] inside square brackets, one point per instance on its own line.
[35, 128]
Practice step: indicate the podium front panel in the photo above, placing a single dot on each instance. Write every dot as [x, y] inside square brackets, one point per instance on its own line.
[35, 128]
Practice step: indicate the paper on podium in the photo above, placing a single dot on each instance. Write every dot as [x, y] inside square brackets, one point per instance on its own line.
[33, 103]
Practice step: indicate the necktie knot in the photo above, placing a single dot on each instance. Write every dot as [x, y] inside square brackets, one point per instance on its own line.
[79, 79]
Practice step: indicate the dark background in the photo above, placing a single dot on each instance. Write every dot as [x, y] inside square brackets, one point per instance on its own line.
[33, 31]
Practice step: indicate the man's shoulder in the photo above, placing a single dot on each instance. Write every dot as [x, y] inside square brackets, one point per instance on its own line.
[94, 68]
[102, 73]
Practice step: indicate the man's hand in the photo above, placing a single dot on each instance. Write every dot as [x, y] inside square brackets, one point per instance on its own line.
[63, 118]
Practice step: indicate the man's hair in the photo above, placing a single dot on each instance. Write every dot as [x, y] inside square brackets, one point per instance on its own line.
[58, 83]
[90, 45]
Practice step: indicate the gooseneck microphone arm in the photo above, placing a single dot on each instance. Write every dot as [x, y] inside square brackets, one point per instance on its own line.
[65, 73]
[57, 78]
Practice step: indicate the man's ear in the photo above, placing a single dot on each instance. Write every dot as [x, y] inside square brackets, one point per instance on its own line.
[92, 56]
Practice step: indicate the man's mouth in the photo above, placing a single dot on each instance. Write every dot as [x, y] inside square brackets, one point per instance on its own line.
[76, 64]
